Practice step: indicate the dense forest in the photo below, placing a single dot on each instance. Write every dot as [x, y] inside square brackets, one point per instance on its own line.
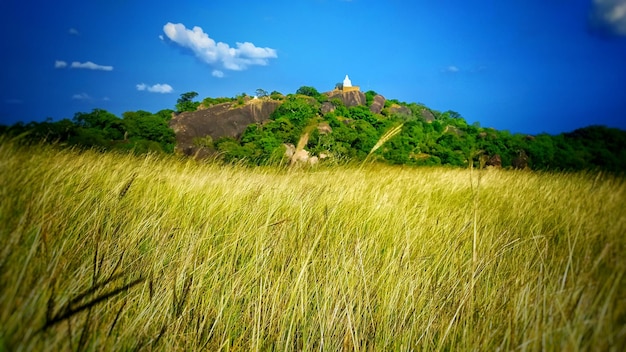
[342, 134]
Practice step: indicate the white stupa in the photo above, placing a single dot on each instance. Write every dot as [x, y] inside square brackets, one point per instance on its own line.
[347, 82]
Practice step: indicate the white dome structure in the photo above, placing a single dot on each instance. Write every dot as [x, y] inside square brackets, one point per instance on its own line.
[347, 82]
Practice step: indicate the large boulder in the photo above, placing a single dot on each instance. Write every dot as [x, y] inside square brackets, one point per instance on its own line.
[377, 104]
[327, 107]
[350, 98]
[401, 110]
[301, 156]
[427, 115]
[222, 120]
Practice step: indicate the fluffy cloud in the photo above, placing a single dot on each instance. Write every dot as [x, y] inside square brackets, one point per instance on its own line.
[60, 64]
[208, 50]
[157, 88]
[608, 17]
[91, 66]
[81, 96]
[217, 73]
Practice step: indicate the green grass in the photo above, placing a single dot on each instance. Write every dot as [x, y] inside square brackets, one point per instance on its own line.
[105, 251]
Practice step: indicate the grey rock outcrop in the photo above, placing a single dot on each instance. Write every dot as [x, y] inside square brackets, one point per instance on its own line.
[222, 120]
[378, 104]
[350, 98]
[400, 110]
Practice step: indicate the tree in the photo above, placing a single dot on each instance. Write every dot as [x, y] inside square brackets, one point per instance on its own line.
[186, 103]
[165, 114]
[110, 126]
[297, 110]
[261, 93]
[276, 95]
[144, 126]
[369, 97]
[309, 91]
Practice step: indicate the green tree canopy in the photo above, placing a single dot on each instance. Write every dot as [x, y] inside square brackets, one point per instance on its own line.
[309, 91]
[186, 103]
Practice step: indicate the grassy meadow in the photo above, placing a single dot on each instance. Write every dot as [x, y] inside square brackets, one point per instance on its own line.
[105, 251]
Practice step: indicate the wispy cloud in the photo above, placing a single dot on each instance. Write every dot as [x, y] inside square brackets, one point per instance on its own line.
[73, 31]
[157, 88]
[608, 17]
[60, 64]
[453, 69]
[217, 73]
[81, 96]
[208, 50]
[91, 66]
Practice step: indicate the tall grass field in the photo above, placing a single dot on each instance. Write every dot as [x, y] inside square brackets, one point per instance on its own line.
[104, 251]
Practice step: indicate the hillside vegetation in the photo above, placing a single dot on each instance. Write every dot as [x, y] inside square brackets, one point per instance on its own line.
[336, 132]
[114, 251]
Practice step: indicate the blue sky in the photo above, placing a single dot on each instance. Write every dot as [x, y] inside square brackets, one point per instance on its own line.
[525, 66]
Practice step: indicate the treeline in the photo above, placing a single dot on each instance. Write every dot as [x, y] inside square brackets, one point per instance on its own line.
[336, 132]
[137, 131]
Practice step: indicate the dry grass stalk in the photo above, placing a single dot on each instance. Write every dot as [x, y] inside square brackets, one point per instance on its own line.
[392, 132]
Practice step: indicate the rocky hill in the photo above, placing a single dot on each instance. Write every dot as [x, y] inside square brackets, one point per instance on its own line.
[231, 119]
[222, 120]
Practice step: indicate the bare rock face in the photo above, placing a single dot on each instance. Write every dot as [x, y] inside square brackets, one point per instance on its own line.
[400, 110]
[222, 120]
[327, 107]
[378, 104]
[350, 98]
[427, 115]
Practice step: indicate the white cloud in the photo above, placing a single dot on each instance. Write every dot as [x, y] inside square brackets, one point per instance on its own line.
[609, 16]
[217, 73]
[60, 64]
[452, 69]
[157, 88]
[81, 96]
[91, 66]
[73, 31]
[206, 49]
[161, 37]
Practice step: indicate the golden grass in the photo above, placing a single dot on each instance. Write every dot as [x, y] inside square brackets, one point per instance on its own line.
[117, 252]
